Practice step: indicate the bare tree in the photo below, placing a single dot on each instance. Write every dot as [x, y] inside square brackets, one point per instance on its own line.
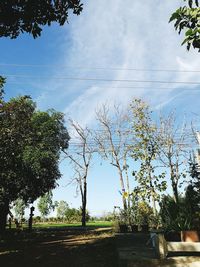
[173, 152]
[80, 158]
[112, 139]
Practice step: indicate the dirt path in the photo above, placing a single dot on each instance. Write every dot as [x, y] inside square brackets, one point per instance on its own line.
[66, 248]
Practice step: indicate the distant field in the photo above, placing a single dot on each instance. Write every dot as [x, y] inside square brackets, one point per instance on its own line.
[101, 224]
[92, 224]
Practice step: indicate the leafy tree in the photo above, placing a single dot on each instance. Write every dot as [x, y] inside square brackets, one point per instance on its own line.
[19, 208]
[145, 151]
[18, 16]
[45, 204]
[61, 208]
[186, 18]
[30, 146]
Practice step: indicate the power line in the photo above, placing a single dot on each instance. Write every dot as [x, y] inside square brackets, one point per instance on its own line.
[125, 87]
[97, 68]
[100, 79]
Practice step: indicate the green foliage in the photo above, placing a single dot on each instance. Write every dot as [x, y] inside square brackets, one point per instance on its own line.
[61, 208]
[187, 19]
[69, 215]
[45, 204]
[145, 150]
[19, 208]
[18, 16]
[30, 145]
[181, 215]
[2, 82]
[195, 174]
[141, 212]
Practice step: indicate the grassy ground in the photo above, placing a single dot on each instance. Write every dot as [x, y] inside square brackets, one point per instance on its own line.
[89, 224]
[59, 247]
[61, 225]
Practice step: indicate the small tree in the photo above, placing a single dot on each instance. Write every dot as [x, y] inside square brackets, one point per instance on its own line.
[61, 208]
[45, 204]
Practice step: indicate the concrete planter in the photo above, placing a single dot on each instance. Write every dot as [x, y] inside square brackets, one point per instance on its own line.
[163, 247]
[189, 236]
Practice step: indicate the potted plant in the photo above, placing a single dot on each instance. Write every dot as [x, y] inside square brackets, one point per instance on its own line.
[178, 221]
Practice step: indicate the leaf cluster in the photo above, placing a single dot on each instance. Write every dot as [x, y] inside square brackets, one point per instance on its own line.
[187, 19]
[18, 16]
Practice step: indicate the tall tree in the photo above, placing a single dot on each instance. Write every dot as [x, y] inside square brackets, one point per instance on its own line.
[112, 139]
[30, 146]
[45, 204]
[145, 151]
[18, 16]
[80, 159]
[186, 18]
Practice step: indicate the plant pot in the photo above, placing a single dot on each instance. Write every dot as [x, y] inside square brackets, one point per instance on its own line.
[145, 228]
[134, 228]
[190, 236]
[123, 228]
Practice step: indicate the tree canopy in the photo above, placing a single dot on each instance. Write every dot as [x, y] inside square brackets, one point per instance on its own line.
[18, 16]
[45, 204]
[187, 19]
[30, 147]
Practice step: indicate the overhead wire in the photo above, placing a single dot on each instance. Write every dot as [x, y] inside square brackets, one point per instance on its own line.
[99, 68]
[127, 87]
[101, 79]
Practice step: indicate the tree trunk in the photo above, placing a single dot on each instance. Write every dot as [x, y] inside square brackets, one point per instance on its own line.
[84, 203]
[123, 189]
[174, 185]
[175, 192]
[4, 210]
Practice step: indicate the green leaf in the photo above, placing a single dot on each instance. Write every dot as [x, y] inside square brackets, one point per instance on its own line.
[189, 32]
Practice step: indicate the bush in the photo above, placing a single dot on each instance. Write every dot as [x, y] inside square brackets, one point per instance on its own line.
[183, 215]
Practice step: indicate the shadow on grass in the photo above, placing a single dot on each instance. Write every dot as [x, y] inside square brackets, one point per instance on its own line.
[69, 247]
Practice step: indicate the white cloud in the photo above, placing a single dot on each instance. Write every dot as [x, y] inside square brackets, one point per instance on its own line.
[112, 34]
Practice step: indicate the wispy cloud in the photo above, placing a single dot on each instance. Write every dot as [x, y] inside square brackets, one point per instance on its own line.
[112, 34]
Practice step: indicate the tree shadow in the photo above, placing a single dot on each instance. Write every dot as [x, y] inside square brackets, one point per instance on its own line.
[70, 248]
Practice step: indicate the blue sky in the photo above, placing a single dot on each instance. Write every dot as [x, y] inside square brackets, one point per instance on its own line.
[108, 34]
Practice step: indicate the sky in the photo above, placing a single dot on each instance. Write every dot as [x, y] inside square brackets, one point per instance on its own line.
[115, 41]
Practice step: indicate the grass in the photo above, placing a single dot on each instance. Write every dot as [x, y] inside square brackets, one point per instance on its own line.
[89, 224]
[58, 225]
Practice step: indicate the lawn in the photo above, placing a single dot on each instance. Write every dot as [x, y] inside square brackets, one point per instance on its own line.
[89, 224]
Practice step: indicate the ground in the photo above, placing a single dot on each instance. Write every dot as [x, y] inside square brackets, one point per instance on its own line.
[70, 247]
